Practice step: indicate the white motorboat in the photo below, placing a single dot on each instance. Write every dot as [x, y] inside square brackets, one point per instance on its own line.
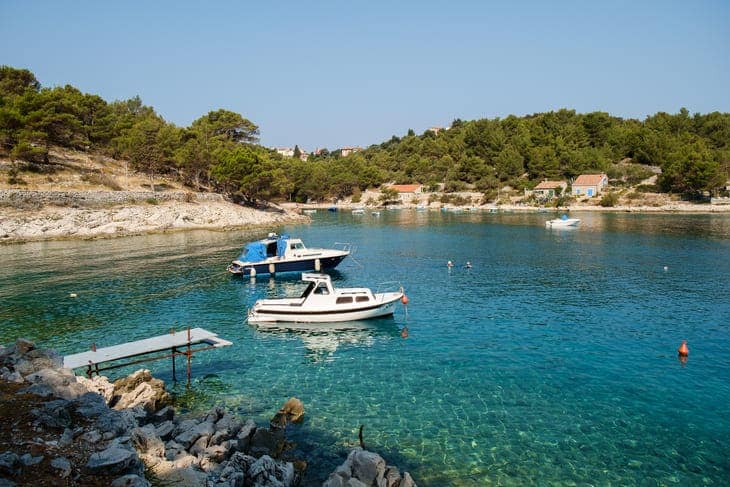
[322, 303]
[358, 211]
[280, 253]
[562, 222]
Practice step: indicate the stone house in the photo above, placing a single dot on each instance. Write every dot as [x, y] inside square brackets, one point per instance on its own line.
[589, 185]
[547, 190]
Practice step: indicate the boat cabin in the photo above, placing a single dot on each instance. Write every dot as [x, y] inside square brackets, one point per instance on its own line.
[321, 285]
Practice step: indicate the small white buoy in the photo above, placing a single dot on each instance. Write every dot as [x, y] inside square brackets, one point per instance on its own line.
[272, 268]
[666, 268]
[72, 295]
[317, 265]
[253, 272]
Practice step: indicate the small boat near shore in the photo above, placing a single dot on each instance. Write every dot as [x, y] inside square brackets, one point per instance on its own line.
[358, 211]
[323, 303]
[280, 253]
[562, 222]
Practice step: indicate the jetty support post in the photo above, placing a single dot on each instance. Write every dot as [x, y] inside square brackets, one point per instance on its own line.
[190, 355]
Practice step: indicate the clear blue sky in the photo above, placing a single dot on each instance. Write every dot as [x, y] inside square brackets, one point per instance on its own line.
[339, 73]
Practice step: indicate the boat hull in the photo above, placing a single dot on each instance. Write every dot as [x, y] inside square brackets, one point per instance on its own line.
[273, 313]
[298, 265]
[571, 222]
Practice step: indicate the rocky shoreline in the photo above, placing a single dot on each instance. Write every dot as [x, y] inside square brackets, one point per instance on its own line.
[50, 215]
[62, 429]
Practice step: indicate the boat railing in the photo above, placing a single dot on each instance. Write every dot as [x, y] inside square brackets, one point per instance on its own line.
[389, 287]
[345, 247]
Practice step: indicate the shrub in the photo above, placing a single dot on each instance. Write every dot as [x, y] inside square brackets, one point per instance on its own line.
[609, 200]
[356, 195]
[152, 201]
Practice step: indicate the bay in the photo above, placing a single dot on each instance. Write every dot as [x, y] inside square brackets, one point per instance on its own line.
[552, 360]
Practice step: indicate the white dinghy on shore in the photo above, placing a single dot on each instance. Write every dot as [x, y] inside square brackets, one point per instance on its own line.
[322, 303]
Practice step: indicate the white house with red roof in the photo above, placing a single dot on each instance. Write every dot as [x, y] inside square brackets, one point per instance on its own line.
[589, 185]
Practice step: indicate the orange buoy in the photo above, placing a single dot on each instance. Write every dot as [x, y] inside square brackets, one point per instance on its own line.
[683, 351]
[404, 299]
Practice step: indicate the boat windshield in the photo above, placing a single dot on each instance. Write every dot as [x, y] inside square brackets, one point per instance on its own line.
[321, 289]
[308, 291]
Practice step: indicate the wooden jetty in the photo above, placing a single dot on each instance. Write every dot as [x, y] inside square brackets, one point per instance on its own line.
[186, 342]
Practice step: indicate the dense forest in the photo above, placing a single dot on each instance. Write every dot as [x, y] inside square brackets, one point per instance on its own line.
[220, 151]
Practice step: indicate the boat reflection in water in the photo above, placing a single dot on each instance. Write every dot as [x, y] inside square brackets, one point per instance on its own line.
[321, 340]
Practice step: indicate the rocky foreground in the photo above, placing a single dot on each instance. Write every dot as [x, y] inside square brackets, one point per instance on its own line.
[45, 215]
[60, 429]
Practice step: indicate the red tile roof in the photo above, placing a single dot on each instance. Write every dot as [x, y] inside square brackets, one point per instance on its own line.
[406, 188]
[589, 180]
[550, 185]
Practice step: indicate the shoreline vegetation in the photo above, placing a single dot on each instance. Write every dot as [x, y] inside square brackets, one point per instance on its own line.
[27, 216]
[48, 133]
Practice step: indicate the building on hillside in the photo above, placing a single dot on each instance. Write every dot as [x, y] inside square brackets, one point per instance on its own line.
[547, 190]
[407, 189]
[285, 151]
[435, 130]
[304, 156]
[589, 185]
[346, 151]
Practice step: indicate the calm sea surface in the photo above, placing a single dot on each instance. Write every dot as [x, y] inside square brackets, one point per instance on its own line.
[552, 361]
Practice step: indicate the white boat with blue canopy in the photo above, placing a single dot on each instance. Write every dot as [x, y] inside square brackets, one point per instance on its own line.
[562, 222]
[323, 303]
[281, 253]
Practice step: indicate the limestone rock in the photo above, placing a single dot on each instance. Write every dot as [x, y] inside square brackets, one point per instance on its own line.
[164, 430]
[23, 346]
[291, 412]
[140, 389]
[9, 463]
[62, 465]
[115, 460]
[367, 466]
[54, 414]
[61, 383]
[98, 384]
[267, 442]
[266, 471]
[145, 440]
[130, 481]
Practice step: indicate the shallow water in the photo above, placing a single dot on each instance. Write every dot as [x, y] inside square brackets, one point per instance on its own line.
[552, 360]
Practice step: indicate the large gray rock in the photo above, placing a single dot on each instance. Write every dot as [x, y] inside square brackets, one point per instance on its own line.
[145, 440]
[115, 423]
[53, 414]
[91, 405]
[267, 472]
[267, 442]
[9, 463]
[245, 434]
[367, 466]
[130, 481]
[62, 465]
[61, 383]
[115, 461]
[164, 430]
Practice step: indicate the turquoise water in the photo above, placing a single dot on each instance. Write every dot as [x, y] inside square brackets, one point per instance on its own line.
[552, 361]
